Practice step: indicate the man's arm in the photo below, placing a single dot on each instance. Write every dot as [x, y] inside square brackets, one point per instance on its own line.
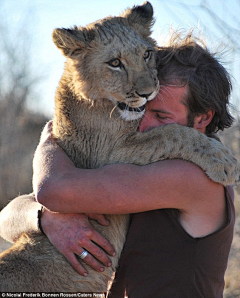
[67, 232]
[19, 216]
[115, 189]
[126, 188]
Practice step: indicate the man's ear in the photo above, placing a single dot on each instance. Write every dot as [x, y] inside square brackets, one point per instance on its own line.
[202, 121]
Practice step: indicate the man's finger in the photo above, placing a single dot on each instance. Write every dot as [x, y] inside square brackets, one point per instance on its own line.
[100, 218]
[101, 241]
[98, 253]
[92, 262]
[76, 264]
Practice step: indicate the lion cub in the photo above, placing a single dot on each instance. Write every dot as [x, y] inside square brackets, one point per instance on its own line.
[109, 75]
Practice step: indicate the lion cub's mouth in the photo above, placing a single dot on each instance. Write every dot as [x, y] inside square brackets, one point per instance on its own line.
[124, 107]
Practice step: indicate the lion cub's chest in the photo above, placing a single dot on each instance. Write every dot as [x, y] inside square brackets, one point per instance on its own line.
[89, 133]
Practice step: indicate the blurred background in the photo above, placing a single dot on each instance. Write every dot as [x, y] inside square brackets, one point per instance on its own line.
[31, 66]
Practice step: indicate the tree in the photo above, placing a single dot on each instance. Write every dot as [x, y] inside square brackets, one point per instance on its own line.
[19, 127]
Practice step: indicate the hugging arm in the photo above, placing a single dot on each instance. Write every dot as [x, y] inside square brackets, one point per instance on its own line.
[117, 188]
[19, 216]
[175, 141]
[67, 232]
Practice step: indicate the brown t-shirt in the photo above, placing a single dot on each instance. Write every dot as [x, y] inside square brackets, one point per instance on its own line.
[160, 259]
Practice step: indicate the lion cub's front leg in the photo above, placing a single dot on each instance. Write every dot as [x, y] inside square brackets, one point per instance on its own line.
[180, 142]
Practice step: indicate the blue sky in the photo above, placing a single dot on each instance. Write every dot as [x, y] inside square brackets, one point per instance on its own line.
[43, 16]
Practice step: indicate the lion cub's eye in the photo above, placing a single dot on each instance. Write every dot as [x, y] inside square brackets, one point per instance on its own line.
[147, 55]
[115, 63]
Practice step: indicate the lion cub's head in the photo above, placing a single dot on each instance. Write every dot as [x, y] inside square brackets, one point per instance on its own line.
[113, 58]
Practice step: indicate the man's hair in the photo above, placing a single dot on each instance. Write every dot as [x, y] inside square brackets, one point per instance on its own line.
[187, 61]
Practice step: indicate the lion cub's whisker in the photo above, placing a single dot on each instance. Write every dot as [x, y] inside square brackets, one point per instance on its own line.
[112, 110]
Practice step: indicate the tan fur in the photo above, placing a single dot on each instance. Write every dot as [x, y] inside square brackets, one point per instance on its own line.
[90, 128]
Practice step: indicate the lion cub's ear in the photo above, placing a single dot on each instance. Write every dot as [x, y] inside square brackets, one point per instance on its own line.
[72, 42]
[141, 18]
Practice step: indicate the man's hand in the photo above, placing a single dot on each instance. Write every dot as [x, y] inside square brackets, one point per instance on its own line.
[71, 234]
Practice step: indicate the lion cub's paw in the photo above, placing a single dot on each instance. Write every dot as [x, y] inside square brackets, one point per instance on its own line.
[222, 166]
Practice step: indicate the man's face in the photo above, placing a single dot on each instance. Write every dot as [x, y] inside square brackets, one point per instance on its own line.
[167, 107]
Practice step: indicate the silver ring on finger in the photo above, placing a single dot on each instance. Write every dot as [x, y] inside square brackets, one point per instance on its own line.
[83, 255]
